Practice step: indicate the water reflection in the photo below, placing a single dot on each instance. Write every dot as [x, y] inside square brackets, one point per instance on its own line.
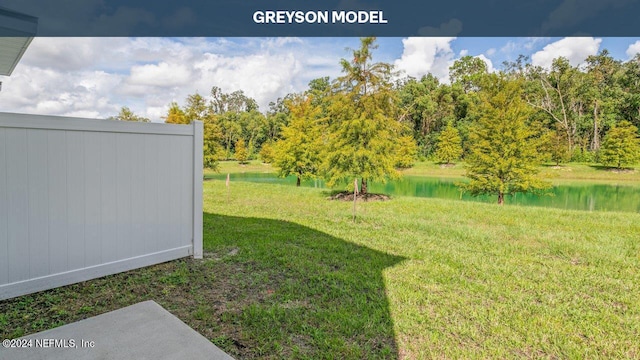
[580, 196]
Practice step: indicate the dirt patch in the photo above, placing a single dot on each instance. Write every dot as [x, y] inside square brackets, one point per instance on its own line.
[446, 166]
[348, 196]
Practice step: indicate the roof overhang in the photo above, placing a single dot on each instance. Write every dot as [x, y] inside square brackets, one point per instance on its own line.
[16, 32]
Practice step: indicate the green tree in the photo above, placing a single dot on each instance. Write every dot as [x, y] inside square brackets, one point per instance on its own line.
[629, 82]
[238, 117]
[267, 152]
[276, 119]
[555, 146]
[297, 153]
[621, 146]
[427, 106]
[253, 125]
[175, 115]
[236, 101]
[126, 114]
[231, 130]
[241, 151]
[505, 152]
[406, 152]
[449, 146]
[468, 71]
[554, 93]
[211, 137]
[603, 93]
[196, 108]
[363, 127]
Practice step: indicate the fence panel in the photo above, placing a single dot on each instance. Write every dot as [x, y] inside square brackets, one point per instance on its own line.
[84, 198]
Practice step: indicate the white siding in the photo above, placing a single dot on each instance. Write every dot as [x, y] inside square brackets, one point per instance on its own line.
[81, 198]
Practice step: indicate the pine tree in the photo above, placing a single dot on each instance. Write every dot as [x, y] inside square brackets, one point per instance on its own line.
[364, 133]
[175, 115]
[407, 152]
[211, 138]
[505, 152]
[241, 151]
[266, 152]
[555, 146]
[297, 153]
[449, 146]
[621, 146]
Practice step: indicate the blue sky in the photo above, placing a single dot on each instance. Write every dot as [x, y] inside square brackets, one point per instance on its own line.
[95, 77]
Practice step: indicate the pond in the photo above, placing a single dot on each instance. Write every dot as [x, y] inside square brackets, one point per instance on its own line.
[576, 196]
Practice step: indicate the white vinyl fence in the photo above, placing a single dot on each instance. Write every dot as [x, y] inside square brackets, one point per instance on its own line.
[84, 198]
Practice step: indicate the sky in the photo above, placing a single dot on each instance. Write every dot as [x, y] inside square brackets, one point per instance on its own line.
[95, 77]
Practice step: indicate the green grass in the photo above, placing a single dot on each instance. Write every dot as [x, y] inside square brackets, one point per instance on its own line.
[572, 172]
[253, 166]
[288, 274]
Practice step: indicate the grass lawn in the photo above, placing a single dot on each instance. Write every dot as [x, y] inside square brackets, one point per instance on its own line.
[288, 274]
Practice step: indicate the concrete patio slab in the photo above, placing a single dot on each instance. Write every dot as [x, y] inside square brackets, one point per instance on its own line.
[141, 331]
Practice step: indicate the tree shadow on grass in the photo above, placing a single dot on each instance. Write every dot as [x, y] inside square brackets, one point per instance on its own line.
[600, 167]
[612, 168]
[292, 291]
[265, 289]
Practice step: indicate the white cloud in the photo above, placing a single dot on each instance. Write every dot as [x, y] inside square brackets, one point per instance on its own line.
[94, 77]
[46, 91]
[490, 52]
[633, 49]
[260, 76]
[575, 49]
[426, 55]
[486, 61]
[162, 75]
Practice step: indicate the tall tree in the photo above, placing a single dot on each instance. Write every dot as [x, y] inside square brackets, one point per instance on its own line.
[236, 101]
[196, 108]
[553, 95]
[231, 128]
[468, 71]
[603, 91]
[621, 146]
[364, 129]
[628, 80]
[277, 118]
[253, 125]
[505, 151]
[298, 152]
[211, 140]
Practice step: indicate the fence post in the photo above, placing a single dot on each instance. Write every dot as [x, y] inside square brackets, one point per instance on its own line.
[197, 188]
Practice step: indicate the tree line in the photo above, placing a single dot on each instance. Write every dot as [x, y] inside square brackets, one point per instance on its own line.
[371, 121]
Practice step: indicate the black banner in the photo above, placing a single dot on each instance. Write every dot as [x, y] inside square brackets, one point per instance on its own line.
[322, 18]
